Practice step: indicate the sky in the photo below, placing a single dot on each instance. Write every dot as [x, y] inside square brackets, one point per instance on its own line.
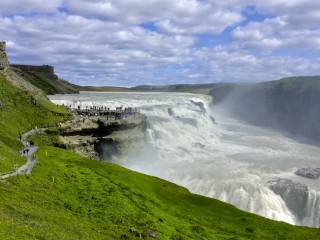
[158, 42]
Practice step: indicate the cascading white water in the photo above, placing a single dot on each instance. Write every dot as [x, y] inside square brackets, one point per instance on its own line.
[229, 160]
[150, 136]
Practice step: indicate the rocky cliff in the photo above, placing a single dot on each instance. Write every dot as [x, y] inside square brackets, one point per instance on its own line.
[99, 138]
[4, 62]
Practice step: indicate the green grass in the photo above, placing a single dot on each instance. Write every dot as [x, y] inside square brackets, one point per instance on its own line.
[71, 197]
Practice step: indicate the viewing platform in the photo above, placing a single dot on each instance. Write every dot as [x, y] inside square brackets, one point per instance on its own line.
[118, 113]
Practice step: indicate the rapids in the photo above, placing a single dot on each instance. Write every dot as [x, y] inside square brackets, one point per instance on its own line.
[247, 166]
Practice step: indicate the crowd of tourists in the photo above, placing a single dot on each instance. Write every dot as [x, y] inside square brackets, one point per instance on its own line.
[118, 113]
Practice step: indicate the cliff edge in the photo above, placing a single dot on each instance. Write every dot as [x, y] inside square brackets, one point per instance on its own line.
[4, 62]
[29, 77]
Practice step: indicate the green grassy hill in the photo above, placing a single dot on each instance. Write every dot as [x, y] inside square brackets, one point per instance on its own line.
[44, 78]
[71, 197]
[18, 115]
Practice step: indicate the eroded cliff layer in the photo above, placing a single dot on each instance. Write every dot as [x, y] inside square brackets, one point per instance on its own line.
[4, 62]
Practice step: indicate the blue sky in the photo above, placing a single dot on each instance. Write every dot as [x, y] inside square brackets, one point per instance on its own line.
[135, 42]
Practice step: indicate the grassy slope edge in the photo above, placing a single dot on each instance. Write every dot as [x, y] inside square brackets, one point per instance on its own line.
[71, 197]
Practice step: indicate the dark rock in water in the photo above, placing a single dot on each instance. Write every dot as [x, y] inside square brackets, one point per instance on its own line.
[295, 195]
[190, 121]
[198, 144]
[199, 104]
[312, 173]
[170, 112]
[212, 119]
[106, 148]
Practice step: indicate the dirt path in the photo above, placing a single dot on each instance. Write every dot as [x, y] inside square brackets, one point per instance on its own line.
[31, 162]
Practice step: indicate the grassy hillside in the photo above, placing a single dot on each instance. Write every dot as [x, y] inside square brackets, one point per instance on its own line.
[100, 89]
[71, 197]
[19, 115]
[44, 78]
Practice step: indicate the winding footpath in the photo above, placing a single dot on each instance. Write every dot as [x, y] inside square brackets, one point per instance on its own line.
[31, 162]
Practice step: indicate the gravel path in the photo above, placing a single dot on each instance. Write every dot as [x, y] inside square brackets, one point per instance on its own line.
[31, 162]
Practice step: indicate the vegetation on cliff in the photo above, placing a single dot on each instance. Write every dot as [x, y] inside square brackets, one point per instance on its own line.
[44, 78]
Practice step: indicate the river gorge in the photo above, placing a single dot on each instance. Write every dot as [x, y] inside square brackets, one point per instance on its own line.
[192, 143]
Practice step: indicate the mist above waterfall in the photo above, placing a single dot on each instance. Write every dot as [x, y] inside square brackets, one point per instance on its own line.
[289, 104]
[247, 166]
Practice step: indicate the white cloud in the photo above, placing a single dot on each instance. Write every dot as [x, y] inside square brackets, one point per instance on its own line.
[174, 17]
[11, 7]
[275, 33]
[132, 42]
[76, 45]
[230, 66]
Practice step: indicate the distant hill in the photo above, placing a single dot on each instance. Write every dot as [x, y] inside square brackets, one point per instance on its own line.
[290, 104]
[44, 78]
[100, 89]
[193, 88]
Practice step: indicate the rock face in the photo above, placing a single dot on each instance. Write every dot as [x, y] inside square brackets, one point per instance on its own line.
[295, 195]
[98, 138]
[4, 63]
[312, 173]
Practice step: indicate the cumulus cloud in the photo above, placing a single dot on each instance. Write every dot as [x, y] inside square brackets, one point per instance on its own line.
[174, 17]
[275, 33]
[133, 42]
[77, 44]
[10, 7]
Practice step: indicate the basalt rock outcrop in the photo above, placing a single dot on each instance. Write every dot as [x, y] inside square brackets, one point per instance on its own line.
[311, 173]
[295, 195]
[101, 139]
[4, 62]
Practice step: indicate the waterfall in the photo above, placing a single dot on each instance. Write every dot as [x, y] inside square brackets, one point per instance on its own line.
[150, 138]
[249, 167]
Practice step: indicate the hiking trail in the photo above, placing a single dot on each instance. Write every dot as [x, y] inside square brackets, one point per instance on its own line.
[31, 162]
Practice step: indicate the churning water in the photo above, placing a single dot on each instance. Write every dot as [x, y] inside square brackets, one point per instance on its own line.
[249, 167]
